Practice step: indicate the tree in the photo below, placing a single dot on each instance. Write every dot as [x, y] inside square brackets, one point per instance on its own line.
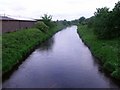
[101, 11]
[47, 19]
[117, 7]
[90, 22]
[81, 20]
[106, 24]
[101, 23]
[116, 18]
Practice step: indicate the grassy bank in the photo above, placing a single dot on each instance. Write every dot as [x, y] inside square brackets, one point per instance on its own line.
[16, 45]
[107, 51]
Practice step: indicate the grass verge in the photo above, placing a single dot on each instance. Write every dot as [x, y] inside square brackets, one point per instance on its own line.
[108, 51]
[16, 45]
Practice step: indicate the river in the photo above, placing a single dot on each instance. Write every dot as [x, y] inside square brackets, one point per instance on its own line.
[61, 62]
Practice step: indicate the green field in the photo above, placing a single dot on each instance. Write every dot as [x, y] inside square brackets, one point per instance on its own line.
[16, 45]
[107, 51]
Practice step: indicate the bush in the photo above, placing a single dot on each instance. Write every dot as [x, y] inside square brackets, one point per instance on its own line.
[116, 74]
[116, 19]
[101, 27]
[42, 26]
[109, 66]
[90, 22]
[106, 23]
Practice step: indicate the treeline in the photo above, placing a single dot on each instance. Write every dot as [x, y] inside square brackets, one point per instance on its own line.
[81, 20]
[106, 23]
[45, 24]
[101, 33]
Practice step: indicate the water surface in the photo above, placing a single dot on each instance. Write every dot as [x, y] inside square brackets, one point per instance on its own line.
[61, 62]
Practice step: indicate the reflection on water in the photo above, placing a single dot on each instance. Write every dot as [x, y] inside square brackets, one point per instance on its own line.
[61, 62]
[47, 46]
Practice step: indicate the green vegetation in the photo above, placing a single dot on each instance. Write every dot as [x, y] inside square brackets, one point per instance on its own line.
[47, 19]
[106, 50]
[16, 45]
[106, 24]
[42, 26]
[101, 33]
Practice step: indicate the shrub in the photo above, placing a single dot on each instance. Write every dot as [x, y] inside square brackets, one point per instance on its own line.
[90, 22]
[101, 23]
[116, 74]
[116, 19]
[42, 26]
[106, 23]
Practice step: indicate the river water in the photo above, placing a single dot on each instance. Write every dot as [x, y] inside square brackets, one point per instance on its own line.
[61, 62]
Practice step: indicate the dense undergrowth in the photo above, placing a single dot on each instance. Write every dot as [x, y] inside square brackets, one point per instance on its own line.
[16, 45]
[107, 51]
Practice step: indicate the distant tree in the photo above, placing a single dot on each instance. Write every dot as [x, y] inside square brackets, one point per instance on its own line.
[69, 22]
[117, 7]
[75, 22]
[90, 22]
[47, 19]
[81, 20]
[65, 22]
[101, 11]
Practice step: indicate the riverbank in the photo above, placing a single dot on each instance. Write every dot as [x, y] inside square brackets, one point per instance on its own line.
[18, 45]
[106, 50]
[65, 56]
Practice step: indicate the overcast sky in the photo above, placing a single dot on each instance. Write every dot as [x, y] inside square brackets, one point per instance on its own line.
[59, 9]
